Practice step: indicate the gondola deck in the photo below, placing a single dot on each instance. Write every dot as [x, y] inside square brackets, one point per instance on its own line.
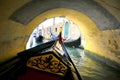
[42, 62]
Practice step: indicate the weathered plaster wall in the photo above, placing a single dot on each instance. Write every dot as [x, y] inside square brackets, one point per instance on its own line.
[12, 34]
[112, 37]
[113, 6]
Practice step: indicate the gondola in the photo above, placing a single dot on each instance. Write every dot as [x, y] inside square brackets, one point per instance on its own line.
[73, 43]
[47, 61]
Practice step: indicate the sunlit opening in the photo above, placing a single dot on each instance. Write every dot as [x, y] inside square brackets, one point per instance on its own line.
[49, 30]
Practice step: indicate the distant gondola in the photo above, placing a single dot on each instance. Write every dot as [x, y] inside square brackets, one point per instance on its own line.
[73, 43]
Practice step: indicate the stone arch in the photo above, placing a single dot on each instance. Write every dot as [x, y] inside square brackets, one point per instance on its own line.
[102, 18]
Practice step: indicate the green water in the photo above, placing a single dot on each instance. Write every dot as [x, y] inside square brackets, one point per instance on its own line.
[93, 67]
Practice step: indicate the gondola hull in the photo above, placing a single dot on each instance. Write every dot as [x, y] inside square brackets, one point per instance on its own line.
[42, 62]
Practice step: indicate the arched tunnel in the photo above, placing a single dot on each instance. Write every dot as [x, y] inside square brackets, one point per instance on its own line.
[98, 22]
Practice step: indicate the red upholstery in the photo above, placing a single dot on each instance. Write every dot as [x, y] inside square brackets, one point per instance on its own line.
[34, 75]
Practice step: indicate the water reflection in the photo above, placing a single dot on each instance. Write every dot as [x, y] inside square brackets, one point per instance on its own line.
[92, 67]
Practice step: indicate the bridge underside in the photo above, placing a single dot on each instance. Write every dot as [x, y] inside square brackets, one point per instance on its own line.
[102, 18]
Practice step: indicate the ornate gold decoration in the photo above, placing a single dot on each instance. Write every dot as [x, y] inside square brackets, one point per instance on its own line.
[48, 63]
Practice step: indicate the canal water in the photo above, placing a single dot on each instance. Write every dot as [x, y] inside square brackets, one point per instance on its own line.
[93, 67]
